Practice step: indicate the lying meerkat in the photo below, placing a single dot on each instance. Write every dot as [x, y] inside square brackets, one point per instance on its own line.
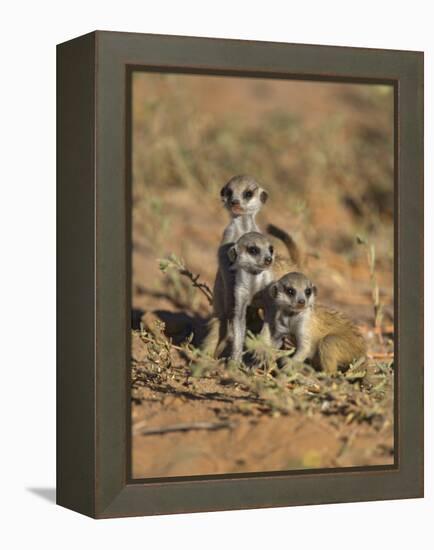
[322, 335]
[247, 267]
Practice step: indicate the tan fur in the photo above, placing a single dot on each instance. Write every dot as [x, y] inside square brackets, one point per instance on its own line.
[335, 338]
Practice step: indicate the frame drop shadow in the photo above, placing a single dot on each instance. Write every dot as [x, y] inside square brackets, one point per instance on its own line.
[47, 493]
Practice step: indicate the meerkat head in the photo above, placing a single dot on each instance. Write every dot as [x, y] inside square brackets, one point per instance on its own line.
[252, 253]
[243, 195]
[293, 292]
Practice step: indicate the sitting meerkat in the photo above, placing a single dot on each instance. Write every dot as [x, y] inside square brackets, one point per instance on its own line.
[248, 271]
[322, 335]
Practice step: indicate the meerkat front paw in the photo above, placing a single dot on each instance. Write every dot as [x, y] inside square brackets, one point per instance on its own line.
[290, 363]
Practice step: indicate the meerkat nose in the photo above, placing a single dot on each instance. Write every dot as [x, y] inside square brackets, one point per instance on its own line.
[268, 260]
[234, 202]
[302, 301]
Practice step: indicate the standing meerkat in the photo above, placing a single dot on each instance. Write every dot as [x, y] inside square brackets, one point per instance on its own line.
[247, 266]
[243, 198]
[324, 336]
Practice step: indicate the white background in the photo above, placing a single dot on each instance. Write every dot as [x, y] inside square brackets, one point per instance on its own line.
[29, 32]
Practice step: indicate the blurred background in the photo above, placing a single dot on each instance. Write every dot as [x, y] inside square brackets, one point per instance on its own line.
[323, 151]
[325, 154]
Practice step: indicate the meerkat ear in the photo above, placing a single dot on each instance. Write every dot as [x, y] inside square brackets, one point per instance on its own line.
[232, 254]
[263, 196]
[314, 290]
[273, 290]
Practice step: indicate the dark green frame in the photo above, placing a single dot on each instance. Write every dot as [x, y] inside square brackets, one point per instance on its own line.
[94, 273]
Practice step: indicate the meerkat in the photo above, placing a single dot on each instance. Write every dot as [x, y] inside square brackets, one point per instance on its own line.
[324, 336]
[243, 198]
[248, 271]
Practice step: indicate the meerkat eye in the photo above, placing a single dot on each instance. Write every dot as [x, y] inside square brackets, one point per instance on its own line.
[229, 193]
[290, 291]
[253, 250]
[248, 194]
[308, 291]
[271, 249]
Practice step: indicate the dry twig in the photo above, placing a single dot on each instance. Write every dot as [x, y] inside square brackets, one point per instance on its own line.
[140, 429]
[378, 306]
[173, 262]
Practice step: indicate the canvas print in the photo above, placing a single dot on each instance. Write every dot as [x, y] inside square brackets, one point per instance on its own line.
[262, 335]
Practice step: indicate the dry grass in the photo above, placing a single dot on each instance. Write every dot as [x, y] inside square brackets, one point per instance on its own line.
[362, 394]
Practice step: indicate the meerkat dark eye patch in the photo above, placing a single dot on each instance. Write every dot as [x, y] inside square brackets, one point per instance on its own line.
[253, 250]
[225, 192]
[290, 291]
[308, 291]
[248, 194]
[271, 249]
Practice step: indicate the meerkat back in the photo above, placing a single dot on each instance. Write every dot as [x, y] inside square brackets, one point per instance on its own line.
[339, 340]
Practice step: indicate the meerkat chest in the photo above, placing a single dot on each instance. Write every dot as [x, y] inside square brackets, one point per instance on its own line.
[249, 285]
[238, 227]
[292, 325]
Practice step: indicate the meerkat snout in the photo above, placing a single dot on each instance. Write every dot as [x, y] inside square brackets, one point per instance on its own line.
[268, 260]
[294, 292]
[243, 195]
[252, 253]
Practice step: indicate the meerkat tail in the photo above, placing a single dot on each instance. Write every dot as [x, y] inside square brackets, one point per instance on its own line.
[293, 250]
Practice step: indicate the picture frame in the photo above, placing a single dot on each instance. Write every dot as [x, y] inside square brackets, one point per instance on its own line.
[94, 273]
